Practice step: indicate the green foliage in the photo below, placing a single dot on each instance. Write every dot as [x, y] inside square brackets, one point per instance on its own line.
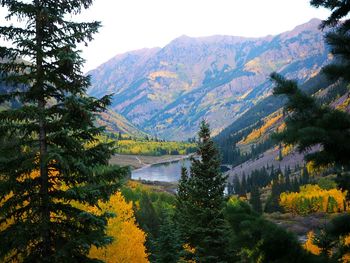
[273, 201]
[154, 212]
[154, 148]
[200, 201]
[168, 245]
[50, 157]
[254, 239]
[255, 200]
[326, 183]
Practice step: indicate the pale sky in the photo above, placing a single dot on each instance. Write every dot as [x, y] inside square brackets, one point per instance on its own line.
[136, 24]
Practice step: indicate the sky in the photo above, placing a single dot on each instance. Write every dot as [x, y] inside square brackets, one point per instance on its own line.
[135, 24]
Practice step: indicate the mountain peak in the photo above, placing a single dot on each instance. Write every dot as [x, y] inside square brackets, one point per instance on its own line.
[312, 25]
[168, 91]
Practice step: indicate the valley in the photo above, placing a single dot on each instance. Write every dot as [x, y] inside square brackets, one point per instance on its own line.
[211, 148]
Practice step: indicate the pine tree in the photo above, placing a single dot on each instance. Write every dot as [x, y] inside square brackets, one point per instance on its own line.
[50, 155]
[237, 186]
[149, 221]
[272, 203]
[200, 201]
[255, 200]
[168, 243]
[308, 123]
[338, 38]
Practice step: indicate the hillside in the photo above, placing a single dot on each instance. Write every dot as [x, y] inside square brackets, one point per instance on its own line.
[247, 143]
[114, 122]
[167, 91]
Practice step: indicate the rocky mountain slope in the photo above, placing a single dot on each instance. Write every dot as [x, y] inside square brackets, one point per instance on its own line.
[252, 131]
[167, 91]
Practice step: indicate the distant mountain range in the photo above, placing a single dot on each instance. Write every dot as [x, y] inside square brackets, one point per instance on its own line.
[167, 91]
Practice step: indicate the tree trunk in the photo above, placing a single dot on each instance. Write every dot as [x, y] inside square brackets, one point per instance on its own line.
[44, 178]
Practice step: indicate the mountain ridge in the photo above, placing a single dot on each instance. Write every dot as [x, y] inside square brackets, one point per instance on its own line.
[167, 91]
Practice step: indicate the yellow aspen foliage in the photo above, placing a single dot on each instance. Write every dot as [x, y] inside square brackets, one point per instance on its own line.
[189, 250]
[314, 169]
[310, 246]
[346, 258]
[287, 149]
[344, 105]
[257, 133]
[346, 242]
[129, 239]
[312, 198]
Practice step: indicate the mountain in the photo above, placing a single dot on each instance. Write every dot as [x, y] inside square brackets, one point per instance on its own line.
[167, 91]
[114, 122]
[246, 144]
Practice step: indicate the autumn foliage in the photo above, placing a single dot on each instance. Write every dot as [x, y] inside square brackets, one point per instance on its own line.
[129, 239]
[309, 244]
[312, 198]
[268, 124]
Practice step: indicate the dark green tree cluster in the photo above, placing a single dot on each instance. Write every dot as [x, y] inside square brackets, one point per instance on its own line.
[265, 176]
[255, 200]
[280, 182]
[254, 239]
[155, 215]
[50, 156]
[231, 153]
[200, 203]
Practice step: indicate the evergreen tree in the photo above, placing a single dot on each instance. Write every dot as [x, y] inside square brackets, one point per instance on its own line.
[305, 177]
[237, 186]
[168, 243]
[200, 201]
[338, 38]
[149, 221]
[310, 123]
[272, 203]
[244, 185]
[255, 200]
[50, 157]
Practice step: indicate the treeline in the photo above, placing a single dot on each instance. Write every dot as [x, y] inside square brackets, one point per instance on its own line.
[230, 152]
[269, 176]
[293, 191]
[312, 199]
[154, 148]
[277, 180]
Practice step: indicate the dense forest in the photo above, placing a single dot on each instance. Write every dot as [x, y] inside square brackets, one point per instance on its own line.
[62, 201]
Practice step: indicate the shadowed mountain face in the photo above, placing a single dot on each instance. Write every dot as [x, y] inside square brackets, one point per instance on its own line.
[167, 91]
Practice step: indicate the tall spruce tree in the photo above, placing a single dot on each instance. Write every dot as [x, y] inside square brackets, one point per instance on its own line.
[51, 162]
[200, 201]
[255, 200]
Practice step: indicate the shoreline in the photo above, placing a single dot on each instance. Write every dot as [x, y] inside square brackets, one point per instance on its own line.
[136, 162]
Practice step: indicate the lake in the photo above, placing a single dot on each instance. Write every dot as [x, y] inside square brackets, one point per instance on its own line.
[163, 172]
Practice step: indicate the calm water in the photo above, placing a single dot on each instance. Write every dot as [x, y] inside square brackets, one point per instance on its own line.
[164, 172]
